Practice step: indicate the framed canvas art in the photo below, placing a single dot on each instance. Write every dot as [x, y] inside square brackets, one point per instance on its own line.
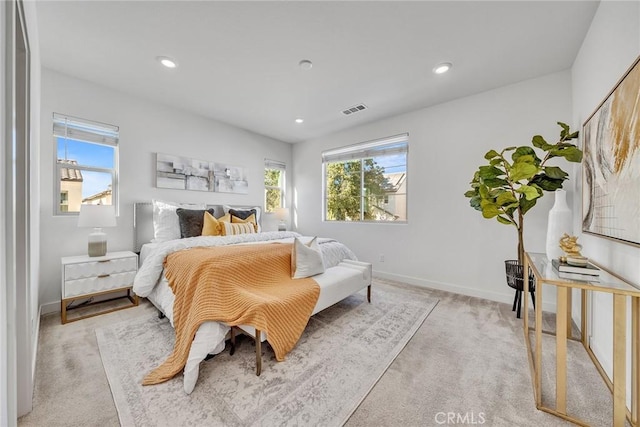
[611, 163]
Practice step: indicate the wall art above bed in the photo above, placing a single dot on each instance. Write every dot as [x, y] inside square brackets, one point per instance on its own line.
[611, 169]
[184, 173]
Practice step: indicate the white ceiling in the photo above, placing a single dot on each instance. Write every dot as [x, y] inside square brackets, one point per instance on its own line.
[238, 61]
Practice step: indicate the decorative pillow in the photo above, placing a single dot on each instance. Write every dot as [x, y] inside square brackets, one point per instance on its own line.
[165, 220]
[258, 212]
[191, 221]
[213, 226]
[250, 219]
[230, 229]
[306, 259]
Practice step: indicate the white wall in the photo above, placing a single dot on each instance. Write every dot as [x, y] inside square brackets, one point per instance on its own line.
[145, 128]
[445, 244]
[610, 47]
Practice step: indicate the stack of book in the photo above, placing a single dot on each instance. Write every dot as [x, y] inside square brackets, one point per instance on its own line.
[589, 272]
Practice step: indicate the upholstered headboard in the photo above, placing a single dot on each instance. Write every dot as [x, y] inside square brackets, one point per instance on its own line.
[143, 221]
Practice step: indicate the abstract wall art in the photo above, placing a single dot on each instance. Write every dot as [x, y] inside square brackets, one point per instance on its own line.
[611, 163]
[184, 173]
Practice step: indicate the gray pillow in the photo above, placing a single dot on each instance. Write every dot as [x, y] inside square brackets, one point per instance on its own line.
[243, 214]
[191, 221]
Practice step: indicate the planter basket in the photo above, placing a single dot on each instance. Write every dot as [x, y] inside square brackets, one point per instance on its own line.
[515, 280]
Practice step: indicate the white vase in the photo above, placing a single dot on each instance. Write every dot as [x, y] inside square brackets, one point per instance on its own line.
[560, 222]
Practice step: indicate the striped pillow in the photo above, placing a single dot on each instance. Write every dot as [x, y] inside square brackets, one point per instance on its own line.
[230, 229]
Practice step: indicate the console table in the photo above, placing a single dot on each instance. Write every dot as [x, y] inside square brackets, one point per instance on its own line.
[544, 273]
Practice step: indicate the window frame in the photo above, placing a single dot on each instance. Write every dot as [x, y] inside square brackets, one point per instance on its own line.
[362, 151]
[282, 167]
[87, 132]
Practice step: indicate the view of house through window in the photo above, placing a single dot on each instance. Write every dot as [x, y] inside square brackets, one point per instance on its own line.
[86, 163]
[367, 182]
[274, 185]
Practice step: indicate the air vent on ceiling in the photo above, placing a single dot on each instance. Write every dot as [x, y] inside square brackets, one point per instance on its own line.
[354, 109]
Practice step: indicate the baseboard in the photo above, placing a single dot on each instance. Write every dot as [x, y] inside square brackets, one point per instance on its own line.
[34, 348]
[506, 297]
[50, 307]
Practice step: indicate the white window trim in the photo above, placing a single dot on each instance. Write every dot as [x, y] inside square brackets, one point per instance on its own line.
[98, 133]
[362, 151]
[276, 165]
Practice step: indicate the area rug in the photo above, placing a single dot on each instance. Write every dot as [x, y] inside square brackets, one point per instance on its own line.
[343, 352]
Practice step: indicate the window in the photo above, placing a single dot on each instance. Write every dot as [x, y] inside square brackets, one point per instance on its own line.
[367, 181]
[86, 163]
[274, 185]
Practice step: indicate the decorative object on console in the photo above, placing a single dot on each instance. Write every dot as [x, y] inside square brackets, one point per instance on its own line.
[611, 172]
[564, 267]
[97, 216]
[571, 248]
[282, 214]
[560, 222]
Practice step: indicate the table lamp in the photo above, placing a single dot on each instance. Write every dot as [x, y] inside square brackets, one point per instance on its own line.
[282, 214]
[97, 216]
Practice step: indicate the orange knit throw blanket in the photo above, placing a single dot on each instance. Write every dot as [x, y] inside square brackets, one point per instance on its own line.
[237, 285]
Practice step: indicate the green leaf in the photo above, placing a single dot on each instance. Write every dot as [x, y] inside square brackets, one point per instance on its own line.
[525, 204]
[509, 149]
[475, 203]
[523, 151]
[495, 182]
[555, 172]
[489, 209]
[495, 161]
[573, 135]
[539, 142]
[522, 171]
[530, 192]
[547, 183]
[504, 220]
[471, 193]
[506, 198]
[484, 191]
[489, 172]
[571, 153]
[491, 154]
[565, 130]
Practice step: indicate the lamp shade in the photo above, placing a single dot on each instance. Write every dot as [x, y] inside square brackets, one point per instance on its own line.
[282, 213]
[97, 216]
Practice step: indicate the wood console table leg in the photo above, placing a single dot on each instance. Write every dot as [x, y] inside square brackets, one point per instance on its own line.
[538, 359]
[561, 350]
[635, 353]
[619, 359]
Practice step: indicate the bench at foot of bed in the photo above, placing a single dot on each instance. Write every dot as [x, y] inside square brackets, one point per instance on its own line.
[336, 283]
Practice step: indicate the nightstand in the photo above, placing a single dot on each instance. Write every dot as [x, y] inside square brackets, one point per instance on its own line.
[85, 277]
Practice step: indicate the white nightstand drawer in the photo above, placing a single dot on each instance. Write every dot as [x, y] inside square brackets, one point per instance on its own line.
[100, 283]
[98, 268]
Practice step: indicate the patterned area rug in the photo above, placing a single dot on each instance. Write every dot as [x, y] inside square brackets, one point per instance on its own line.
[343, 352]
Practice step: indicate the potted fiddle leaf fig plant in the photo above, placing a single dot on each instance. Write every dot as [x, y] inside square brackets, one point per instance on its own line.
[508, 186]
[512, 181]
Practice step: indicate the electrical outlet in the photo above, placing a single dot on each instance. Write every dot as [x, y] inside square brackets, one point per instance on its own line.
[381, 257]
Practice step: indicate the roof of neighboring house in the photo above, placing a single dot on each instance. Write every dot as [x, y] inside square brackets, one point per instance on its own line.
[70, 174]
[395, 180]
[97, 196]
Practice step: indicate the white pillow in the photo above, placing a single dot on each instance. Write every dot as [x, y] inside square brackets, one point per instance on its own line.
[306, 259]
[165, 220]
[245, 208]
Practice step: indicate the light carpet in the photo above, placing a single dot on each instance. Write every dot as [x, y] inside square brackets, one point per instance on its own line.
[343, 352]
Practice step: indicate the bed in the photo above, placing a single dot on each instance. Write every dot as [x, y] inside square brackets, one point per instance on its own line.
[342, 276]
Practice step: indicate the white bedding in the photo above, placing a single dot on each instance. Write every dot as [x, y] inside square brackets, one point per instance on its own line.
[151, 283]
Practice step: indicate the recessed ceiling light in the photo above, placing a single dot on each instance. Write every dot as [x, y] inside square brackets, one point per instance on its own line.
[305, 64]
[442, 68]
[299, 120]
[167, 62]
